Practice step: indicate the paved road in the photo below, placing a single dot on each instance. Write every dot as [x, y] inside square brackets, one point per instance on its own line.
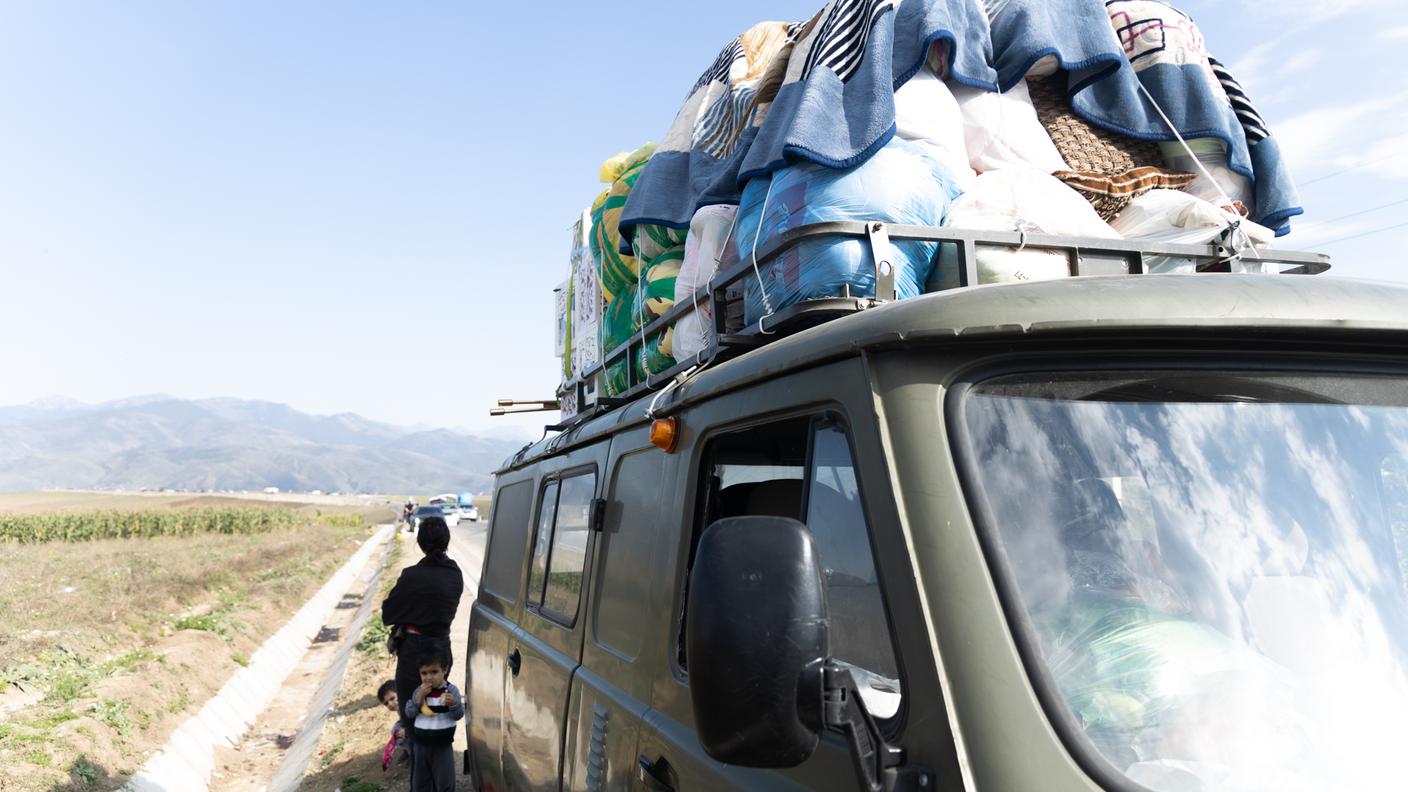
[467, 549]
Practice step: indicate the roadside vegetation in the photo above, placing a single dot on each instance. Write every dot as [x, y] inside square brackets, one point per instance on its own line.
[89, 526]
[352, 740]
[119, 624]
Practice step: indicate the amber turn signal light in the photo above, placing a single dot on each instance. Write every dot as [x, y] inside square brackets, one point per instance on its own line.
[665, 433]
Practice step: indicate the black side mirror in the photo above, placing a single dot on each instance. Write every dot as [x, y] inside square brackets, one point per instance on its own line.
[756, 621]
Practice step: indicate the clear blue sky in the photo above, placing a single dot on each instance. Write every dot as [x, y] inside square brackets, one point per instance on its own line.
[363, 207]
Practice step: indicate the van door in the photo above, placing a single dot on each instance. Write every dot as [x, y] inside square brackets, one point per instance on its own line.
[611, 692]
[492, 623]
[793, 458]
[545, 649]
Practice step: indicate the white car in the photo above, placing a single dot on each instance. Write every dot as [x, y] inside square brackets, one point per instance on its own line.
[469, 511]
[448, 512]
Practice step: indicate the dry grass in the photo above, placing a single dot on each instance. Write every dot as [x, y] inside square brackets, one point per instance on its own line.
[109, 644]
[356, 733]
[63, 502]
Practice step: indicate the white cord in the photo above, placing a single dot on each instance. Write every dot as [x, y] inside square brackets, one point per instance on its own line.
[1241, 241]
[1021, 226]
[694, 279]
[762, 216]
[674, 382]
[640, 314]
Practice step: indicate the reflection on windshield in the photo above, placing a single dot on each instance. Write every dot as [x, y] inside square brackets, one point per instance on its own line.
[1215, 568]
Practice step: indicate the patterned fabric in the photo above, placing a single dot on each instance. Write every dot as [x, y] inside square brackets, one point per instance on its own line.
[840, 41]
[1252, 122]
[616, 270]
[1110, 193]
[436, 714]
[827, 94]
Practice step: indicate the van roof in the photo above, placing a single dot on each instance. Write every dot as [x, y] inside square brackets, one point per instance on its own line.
[1086, 305]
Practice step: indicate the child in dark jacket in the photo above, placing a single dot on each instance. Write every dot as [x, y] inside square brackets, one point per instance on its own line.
[433, 711]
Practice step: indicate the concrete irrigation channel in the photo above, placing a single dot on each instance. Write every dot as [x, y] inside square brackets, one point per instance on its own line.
[261, 731]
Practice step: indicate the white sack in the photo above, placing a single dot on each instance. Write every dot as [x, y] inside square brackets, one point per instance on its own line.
[1006, 200]
[586, 299]
[1213, 156]
[926, 113]
[703, 247]
[1001, 130]
[1175, 217]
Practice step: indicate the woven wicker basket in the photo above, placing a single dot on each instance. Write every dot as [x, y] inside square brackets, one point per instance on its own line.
[1085, 147]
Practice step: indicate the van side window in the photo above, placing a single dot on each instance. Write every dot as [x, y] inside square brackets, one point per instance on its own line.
[628, 536]
[508, 540]
[802, 468]
[547, 511]
[569, 546]
[559, 548]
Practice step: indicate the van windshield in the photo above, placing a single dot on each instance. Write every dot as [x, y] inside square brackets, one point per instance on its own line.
[1210, 569]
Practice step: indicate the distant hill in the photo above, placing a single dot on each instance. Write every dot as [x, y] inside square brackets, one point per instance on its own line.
[160, 441]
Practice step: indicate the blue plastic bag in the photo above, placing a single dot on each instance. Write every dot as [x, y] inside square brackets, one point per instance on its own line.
[901, 183]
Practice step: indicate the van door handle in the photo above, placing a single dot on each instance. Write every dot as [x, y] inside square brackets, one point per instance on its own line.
[515, 662]
[648, 773]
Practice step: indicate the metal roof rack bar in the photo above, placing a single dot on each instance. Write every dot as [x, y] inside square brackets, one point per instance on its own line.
[880, 238]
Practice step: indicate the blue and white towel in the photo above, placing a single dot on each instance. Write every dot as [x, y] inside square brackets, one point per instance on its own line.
[831, 101]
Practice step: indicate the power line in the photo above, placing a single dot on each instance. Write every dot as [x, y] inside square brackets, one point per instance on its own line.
[1364, 234]
[1354, 167]
[1319, 223]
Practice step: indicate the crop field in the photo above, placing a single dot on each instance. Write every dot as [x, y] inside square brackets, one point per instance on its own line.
[116, 524]
[122, 616]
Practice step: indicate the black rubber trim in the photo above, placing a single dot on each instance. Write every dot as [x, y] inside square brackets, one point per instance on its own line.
[566, 621]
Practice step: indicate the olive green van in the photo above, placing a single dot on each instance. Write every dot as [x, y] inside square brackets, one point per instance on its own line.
[1132, 532]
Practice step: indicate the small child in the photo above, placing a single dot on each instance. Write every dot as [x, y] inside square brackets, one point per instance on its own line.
[396, 747]
[435, 707]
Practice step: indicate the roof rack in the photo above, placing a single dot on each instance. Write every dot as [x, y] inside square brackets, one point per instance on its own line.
[1084, 256]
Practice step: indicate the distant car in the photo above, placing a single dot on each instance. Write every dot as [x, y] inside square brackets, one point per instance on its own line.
[450, 514]
[469, 511]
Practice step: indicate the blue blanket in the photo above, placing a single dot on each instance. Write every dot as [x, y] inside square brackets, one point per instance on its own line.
[830, 98]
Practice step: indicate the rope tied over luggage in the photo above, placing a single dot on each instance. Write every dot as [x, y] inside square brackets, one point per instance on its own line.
[1239, 242]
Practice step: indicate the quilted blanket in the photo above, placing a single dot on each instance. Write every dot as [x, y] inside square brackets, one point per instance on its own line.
[822, 91]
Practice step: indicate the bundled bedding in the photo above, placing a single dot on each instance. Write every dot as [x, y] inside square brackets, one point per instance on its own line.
[1093, 118]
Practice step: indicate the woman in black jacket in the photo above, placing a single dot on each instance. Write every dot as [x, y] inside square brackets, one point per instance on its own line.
[423, 604]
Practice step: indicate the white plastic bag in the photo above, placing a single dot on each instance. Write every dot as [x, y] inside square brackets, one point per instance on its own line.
[1011, 199]
[1175, 217]
[926, 113]
[1001, 130]
[1213, 157]
[703, 248]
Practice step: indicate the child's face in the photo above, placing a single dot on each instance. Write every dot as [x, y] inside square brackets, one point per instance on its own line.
[433, 675]
[390, 701]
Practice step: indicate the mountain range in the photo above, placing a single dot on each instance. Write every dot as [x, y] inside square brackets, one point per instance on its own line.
[160, 441]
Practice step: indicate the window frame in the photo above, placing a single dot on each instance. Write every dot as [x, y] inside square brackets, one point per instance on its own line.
[537, 605]
[600, 584]
[813, 415]
[511, 599]
[953, 401]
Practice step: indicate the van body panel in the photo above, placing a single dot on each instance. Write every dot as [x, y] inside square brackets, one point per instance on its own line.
[606, 728]
[996, 706]
[620, 656]
[547, 650]
[535, 703]
[842, 388]
[969, 627]
[492, 623]
[971, 714]
[485, 714]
